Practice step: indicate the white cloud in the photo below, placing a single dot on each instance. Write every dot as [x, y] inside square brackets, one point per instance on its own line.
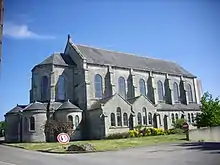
[22, 32]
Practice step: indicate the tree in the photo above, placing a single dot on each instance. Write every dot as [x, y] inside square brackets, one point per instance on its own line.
[2, 128]
[210, 115]
[52, 127]
[2, 124]
[178, 124]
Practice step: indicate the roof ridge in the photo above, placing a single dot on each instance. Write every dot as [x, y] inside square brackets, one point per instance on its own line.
[126, 53]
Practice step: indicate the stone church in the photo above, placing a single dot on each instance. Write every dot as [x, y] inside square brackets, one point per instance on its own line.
[104, 92]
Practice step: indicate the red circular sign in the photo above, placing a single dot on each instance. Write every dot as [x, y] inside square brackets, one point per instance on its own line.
[185, 125]
[63, 138]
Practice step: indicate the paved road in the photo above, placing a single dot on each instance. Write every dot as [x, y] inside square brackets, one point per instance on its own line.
[190, 154]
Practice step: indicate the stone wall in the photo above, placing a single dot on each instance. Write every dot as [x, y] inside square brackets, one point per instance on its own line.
[207, 134]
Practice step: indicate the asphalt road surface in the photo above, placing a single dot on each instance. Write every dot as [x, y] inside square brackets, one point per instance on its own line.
[169, 154]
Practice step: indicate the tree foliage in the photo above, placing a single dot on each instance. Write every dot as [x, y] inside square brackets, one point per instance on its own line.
[2, 125]
[53, 127]
[210, 115]
[2, 128]
[178, 124]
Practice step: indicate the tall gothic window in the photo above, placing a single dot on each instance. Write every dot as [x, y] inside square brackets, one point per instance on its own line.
[113, 120]
[61, 88]
[70, 120]
[98, 86]
[121, 87]
[76, 121]
[150, 118]
[192, 117]
[160, 91]
[173, 118]
[44, 88]
[176, 92]
[190, 96]
[144, 116]
[32, 123]
[177, 117]
[119, 117]
[142, 87]
[125, 119]
[139, 118]
[189, 118]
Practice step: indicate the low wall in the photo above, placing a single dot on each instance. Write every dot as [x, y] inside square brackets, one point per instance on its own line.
[207, 134]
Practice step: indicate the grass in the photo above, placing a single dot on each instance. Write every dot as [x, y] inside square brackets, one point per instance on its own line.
[104, 145]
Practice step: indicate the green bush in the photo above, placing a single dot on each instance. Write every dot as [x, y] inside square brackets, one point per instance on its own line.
[175, 131]
[178, 124]
[118, 135]
[134, 133]
[144, 131]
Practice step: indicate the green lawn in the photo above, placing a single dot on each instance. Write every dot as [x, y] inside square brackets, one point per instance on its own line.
[105, 145]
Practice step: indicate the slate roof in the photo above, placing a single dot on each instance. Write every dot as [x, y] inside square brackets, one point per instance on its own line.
[132, 100]
[35, 106]
[126, 60]
[191, 106]
[98, 103]
[68, 105]
[58, 59]
[16, 109]
[53, 105]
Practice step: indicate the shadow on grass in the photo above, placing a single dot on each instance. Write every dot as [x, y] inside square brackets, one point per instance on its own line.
[213, 147]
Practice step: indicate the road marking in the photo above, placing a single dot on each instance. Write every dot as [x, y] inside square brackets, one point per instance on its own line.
[6, 163]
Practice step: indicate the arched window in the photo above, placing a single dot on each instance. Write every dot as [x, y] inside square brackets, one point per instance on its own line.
[119, 122]
[192, 117]
[113, 120]
[44, 88]
[144, 116]
[70, 120]
[76, 121]
[173, 119]
[150, 118]
[176, 92]
[98, 86]
[142, 87]
[61, 88]
[32, 123]
[121, 87]
[139, 118]
[182, 116]
[190, 96]
[125, 119]
[189, 118]
[160, 91]
[177, 117]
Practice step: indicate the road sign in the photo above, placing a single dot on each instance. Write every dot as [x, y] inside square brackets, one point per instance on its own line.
[186, 129]
[185, 125]
[63, 138]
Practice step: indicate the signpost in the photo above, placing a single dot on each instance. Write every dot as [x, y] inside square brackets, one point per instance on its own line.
[63, 138]
[186, 129]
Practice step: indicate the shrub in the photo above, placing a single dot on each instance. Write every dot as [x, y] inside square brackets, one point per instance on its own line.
[118, 135]
[175, 131]
[81, 147]
[178, 124]
[134, 133]
[159, 131]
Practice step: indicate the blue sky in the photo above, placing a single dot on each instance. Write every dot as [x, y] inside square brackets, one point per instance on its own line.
[185, 32]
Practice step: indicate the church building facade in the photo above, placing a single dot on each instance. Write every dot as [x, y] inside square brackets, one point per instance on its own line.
[104, 92]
